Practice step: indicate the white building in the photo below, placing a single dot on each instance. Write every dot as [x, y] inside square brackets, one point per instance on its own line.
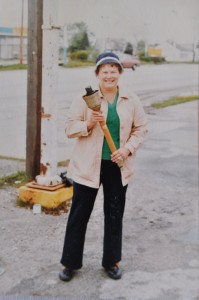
[179, 52]
[10, 39]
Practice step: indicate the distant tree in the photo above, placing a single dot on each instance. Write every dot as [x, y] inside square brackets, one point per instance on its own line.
[129, 49]
[84, 42]
[77, 27]
[140, 46]
[79, 42]
[79, 37]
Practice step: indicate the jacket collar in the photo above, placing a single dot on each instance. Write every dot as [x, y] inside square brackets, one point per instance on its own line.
[122, 92]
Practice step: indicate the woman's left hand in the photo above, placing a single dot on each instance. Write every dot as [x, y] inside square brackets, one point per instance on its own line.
[120, 155]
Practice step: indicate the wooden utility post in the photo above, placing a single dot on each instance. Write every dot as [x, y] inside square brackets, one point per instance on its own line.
[34, 89]
[21, 35]
[41, 140]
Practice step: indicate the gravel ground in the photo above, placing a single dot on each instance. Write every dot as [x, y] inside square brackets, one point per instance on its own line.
[160, 240]
[8, 167]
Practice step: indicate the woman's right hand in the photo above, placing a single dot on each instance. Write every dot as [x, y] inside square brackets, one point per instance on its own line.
[96, 116]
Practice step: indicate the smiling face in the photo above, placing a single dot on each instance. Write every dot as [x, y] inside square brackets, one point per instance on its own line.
[108, 76]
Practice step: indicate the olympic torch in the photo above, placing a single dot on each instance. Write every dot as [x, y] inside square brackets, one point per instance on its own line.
[92, 99]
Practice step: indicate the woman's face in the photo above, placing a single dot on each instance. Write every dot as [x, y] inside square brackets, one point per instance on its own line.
[108, 77]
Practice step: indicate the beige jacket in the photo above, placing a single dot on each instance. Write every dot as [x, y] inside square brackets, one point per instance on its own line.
[85, 163]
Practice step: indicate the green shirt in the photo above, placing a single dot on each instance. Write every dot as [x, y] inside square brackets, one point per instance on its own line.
[113, 124]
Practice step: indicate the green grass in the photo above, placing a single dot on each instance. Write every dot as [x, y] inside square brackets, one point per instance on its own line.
[184, 62]
[13, 67]
[63, 163]
[70, 64]
[15, 180]
[21, 178]
[23, 204]
[12, 158]
[175, 101]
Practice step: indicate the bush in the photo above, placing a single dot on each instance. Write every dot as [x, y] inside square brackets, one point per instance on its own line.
[142, 57]
[147, 58]
[79, 55]
[158, 59]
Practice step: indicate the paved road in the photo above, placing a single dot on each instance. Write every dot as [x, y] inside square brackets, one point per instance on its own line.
[151, 82]
[160, 241]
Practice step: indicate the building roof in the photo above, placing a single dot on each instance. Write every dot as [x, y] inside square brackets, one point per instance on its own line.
[12, 31]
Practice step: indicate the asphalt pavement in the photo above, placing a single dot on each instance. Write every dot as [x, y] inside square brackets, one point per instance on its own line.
[160, 234]
[152, 83]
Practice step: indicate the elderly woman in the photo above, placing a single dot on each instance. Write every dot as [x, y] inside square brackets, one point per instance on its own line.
[92, 164]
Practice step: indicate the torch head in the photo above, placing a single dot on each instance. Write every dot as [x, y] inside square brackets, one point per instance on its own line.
[92, 99]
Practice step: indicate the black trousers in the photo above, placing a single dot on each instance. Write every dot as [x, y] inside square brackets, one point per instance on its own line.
[81, 209]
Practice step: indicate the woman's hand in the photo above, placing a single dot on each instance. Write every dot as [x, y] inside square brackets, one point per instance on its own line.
[96, 116]
[120, 155]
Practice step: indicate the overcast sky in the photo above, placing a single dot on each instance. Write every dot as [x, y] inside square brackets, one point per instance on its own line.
[153, 20]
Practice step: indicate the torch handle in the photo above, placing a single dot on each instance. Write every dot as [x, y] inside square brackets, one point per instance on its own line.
[108, 136]
[109, 140]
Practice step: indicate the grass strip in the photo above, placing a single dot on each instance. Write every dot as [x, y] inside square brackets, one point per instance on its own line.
[15, 180]
[21, 178]
[175, 101]
[13, 67]
[12, 158]
[78, 64]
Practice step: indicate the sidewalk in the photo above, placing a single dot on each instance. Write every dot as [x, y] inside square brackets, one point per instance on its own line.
[160, 234]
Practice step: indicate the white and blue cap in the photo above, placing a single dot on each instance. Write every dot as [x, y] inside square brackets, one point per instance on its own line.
[106, 58]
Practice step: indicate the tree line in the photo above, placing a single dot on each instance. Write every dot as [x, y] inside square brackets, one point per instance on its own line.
[83, 45]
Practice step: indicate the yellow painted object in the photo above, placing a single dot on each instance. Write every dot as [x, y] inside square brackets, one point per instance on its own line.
[47, 199]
